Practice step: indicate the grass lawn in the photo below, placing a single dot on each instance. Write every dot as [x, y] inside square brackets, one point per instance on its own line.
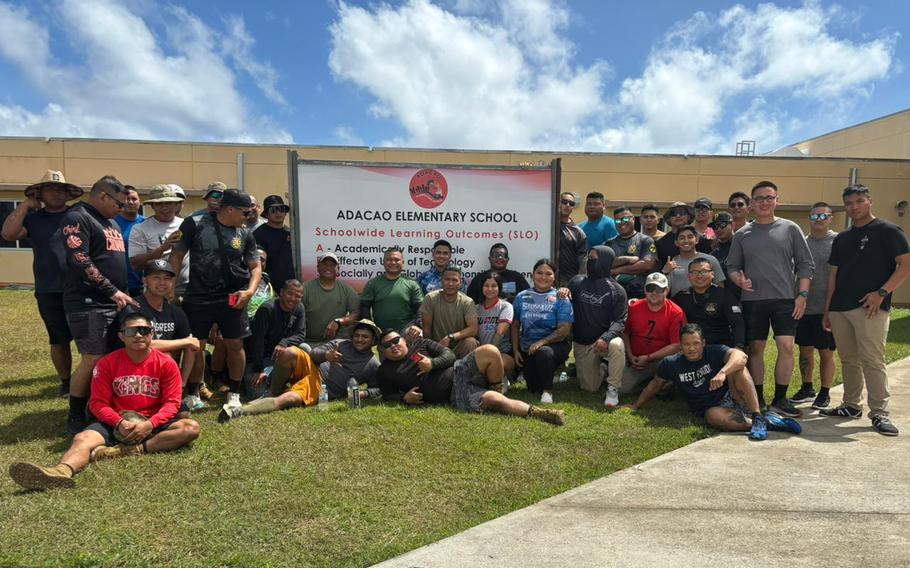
[302, 487]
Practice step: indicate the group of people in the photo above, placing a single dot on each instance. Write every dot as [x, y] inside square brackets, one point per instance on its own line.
[141, 298]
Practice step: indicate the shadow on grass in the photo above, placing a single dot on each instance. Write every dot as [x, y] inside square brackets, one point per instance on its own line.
[46, 425]
[52, 390]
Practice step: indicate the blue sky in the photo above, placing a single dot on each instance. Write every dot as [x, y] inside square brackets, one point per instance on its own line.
[659, 76]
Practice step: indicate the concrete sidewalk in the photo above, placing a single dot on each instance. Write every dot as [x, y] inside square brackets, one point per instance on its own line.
[838, 495]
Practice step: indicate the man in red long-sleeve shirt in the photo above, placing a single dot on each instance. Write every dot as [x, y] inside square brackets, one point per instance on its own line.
[136, 378]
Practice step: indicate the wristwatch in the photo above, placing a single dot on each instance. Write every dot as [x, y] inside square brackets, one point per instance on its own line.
[882, 292]
[451, 337]
[803, 293]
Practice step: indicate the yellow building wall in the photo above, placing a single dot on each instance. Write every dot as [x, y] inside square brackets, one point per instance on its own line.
[627, 179]
[886, 137]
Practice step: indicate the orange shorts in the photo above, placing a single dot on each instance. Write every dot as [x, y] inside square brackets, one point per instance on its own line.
[307, 380]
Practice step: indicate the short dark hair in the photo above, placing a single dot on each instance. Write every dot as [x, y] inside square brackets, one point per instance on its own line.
[820, 204]
[650, 207]
[452, 268]
[130, 188]
[764, 183]
[499, 246]
[738, 195]
[543, 261]
[700, 260]
[495, 277]
[854, 189]
[595, 195]
[442, 242]
[108, 184]
[620, 209]
[687, 228]
[691, 329]
[391, 249]
[292, 283]
[133, 316]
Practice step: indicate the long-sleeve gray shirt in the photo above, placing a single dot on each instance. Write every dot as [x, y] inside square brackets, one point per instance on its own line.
[818, 290]
[361, 365]
[774, 256]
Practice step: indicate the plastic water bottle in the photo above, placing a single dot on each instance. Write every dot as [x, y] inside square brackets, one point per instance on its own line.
[353, 393]
[323, 403]
[563, 377]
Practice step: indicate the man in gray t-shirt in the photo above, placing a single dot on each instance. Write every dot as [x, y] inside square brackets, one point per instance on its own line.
[810, 334]
[766, 259]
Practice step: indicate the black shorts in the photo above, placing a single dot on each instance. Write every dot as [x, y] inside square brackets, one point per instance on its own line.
[233, 324]
[50, 306]
[760, 315]
[809, 333]
[107, 432]
[94, 330]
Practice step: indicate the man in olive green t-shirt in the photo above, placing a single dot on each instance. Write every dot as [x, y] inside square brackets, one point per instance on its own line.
[392, 298]
[450, 317]
[330, 304]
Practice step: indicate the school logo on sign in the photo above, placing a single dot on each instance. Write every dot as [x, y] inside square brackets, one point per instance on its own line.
[428, 188]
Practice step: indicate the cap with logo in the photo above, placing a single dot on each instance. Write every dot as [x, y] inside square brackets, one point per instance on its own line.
[723, 217]
[214, 186]
[704, 203]
[273, 201]
[657, 279]
[158, 265]
[330, 255]
[166, 193]
[53, 178]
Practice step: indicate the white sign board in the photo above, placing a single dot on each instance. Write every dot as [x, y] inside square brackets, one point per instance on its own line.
[356, 211]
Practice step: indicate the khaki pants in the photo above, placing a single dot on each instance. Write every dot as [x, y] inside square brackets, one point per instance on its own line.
[861, 347]
[634, 380]
[587, 364]
[464, 347]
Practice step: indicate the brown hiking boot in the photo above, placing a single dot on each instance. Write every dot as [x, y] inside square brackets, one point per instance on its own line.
[118, 451]
[552, 415]
[205, 393]
[37, 478]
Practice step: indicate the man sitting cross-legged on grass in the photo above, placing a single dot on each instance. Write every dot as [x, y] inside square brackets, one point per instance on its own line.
[136, 378]
[424, 373]
[713, 380]
[335, 362]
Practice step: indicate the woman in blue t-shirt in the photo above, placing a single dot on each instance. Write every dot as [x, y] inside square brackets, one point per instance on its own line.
[541, 330]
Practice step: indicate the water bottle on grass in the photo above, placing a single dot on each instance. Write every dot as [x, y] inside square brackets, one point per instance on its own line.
[353, 393]
[323, 403]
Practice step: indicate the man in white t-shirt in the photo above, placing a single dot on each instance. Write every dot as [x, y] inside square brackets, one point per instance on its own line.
[153, 238]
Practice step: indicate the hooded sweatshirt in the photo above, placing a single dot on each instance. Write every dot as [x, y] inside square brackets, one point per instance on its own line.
[598, 300]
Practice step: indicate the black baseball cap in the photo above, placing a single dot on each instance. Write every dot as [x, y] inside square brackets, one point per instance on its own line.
[158, 265]
[233, 198]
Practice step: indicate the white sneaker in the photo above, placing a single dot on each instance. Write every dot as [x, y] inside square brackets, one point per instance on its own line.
[233, 400]
[546, 398]
[612, 400]
[193, 402]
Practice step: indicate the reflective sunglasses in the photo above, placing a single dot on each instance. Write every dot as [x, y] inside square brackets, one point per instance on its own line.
[819, 216]
[499, 255]
[721, 225]
[568, 202]
[625, 219]
[215, 195]
[142, 330]
[391, 342]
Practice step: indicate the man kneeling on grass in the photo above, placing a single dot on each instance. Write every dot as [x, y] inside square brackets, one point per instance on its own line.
[713, 380]
[136, 378]
[423, 372]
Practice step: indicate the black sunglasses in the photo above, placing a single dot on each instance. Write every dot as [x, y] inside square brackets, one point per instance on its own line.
[142, 330]
[276, 209]
[391, 342]
[738, 204]
[720, 225]
[654, 288]
[499, 255]
[568, 202]
[120, 204]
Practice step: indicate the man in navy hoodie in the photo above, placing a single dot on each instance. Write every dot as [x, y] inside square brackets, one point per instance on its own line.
[600, 307]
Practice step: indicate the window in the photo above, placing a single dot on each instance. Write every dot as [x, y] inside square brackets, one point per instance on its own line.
[7, 207]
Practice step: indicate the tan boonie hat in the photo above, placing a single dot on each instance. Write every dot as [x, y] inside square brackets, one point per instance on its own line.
[369, 325]
[165, 193]
[54, 178]
[214, 186]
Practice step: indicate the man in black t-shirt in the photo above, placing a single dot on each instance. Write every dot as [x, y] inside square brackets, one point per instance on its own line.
[715, 309]
[714, 382]
[224, 274]
[573, 243]
[868, 262]
[275, 239]
[677, 216]
[37, 218]
[512, 282]
[172, 328]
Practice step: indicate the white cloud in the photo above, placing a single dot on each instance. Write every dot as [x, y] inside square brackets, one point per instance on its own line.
[346, 136]
[239, 44]
[130, 83]
[478, 78]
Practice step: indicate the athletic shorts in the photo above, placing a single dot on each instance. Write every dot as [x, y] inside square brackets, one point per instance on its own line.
[50, 306]
[730, 403]
[468, 385]
[809, 333]
[233, 324]
[762, 315]
[107, 432]
[93, 330]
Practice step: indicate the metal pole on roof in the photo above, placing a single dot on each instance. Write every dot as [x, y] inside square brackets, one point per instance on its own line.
[240, 171]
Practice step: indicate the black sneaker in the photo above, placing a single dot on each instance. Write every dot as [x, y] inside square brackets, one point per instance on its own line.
[822, 401]
[842, 411]
[65, 388]
[784, 408]
[883, 425]
[805, 394]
